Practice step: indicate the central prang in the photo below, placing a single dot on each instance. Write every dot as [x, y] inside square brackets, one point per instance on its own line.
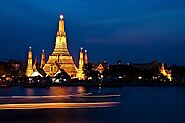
[60, 58]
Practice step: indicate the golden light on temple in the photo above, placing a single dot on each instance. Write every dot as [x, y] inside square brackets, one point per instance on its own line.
[100, 68]
[42, 59]
[60, 58]
[80, 73]
[29, 69]
[85, 57]
[165, 72]
[35, 65]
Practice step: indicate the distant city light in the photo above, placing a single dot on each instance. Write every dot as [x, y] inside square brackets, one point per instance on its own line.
[140, 77]
[120, 77]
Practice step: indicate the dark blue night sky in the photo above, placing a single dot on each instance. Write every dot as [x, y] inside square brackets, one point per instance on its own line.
[136, 31]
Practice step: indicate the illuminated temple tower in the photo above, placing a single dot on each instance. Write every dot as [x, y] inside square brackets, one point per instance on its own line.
[80, 73]
[35, 65]
[85, 57]
[60, 58]
[165, 72]
[42, 59]
[29, 69]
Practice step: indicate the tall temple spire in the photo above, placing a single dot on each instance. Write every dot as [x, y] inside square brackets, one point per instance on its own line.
[81, 61]
[162, 65]
[61, 42]
[85, 57]
[42, 59]
[61, 54]
[29, 69]
[35, 65]
[35, 71]
[80, 73]
[61, 25]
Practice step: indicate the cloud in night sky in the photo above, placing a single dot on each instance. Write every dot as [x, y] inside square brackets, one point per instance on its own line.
[132, 30]
[147, 29]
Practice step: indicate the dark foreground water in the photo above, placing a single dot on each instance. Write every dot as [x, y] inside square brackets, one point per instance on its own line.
[138, 105]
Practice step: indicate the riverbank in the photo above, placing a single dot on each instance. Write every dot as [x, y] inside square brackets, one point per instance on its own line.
[96, 84]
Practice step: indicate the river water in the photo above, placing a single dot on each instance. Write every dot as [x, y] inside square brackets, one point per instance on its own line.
[136, 105]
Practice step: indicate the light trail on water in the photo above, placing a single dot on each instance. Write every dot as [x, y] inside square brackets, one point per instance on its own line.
[57, 105]
[61, 96]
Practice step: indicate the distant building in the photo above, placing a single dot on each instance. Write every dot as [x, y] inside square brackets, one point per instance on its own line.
[14, 65]
[102, 66]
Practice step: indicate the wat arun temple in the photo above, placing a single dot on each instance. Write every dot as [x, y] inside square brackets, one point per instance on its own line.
[59, 59]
